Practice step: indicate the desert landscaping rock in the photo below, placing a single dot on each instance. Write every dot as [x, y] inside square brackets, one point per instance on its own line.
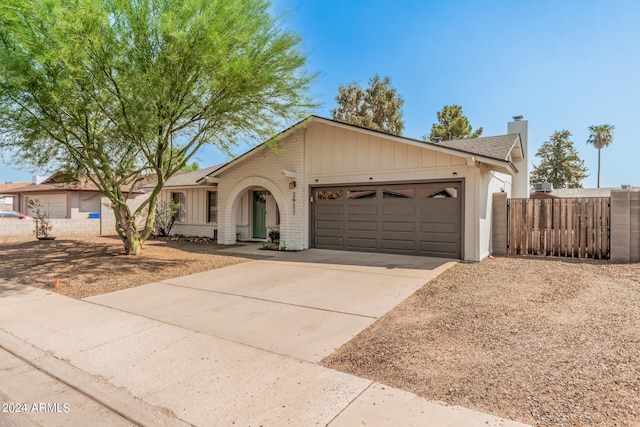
[544, 341]
[87, 267]
[549, 342]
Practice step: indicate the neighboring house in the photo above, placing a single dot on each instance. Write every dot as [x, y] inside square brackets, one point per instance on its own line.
[337, 186]
[564, 193]
[6, 200]
[63, 198]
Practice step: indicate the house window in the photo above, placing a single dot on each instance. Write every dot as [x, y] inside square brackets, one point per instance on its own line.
[212, 203]
[181, 199]
[329, 195]
[439, 193]
[361, 194]
[399, 193]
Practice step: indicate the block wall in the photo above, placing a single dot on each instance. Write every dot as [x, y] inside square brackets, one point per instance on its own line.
[625, 225]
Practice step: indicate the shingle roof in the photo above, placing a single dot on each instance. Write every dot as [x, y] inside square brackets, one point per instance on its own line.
[494, 147]
[186, 179]
[8, 186]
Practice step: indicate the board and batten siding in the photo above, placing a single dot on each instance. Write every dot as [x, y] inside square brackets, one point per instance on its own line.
[336, 154]
[196, 209]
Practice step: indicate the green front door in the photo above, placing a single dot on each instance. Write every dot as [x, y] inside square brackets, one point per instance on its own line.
[260, 214]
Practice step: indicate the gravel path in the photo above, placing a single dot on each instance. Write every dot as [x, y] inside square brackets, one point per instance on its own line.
[547, 342]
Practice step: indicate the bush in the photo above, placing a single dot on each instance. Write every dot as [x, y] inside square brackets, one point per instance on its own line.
[274, 235]
[41, 214]
[165, 216]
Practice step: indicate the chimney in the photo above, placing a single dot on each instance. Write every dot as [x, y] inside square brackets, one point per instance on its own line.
[521, 179]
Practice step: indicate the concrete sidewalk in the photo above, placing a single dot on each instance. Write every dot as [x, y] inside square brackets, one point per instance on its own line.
[162, 354]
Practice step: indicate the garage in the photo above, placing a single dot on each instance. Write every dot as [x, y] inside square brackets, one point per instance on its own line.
[408, 218]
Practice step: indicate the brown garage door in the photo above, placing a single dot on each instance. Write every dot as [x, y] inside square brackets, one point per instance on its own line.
[419, 219]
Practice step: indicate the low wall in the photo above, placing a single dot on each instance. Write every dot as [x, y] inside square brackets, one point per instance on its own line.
[200, 230]
[21, 230]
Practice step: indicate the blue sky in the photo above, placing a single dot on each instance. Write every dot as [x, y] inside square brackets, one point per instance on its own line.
[560, 64]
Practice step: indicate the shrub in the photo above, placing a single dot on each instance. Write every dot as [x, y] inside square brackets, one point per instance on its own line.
[165, 216]
[41, 214]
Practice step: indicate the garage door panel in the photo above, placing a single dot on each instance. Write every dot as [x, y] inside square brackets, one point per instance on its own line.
[410, 218]
[362, 225]
[362, 210]
[438, 208]
[438, 237]
[402, 245]
[438, 227]
[361, 242]
[440, 247]
[335, 242]
[439, 219]
[399, 209]
[330, 225]
[332, 208]
[398, 226]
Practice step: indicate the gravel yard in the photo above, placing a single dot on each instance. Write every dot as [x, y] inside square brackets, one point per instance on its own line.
[86, 267]
[549, 342]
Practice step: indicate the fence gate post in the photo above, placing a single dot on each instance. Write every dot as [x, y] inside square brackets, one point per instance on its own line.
[500, 224]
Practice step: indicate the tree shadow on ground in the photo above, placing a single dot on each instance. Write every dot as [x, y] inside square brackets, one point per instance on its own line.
[85, 267]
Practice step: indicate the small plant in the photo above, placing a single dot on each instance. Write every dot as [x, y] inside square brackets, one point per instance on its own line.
[283, 247]
[165, 216]
[41, 214]
[266, 246]
[274, 235]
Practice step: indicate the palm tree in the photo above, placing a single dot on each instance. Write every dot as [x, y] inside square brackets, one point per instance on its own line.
[601, 136]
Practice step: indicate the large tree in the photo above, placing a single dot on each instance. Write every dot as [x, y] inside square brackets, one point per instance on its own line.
[121, 90]
[560, 164]
[378, 107]
[601, 136]
[452, 124]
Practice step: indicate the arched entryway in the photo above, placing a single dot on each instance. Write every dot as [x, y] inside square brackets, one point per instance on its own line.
[264, 207]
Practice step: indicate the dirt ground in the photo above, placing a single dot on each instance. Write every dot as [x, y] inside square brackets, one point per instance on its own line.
[87, 267]
[548, 342]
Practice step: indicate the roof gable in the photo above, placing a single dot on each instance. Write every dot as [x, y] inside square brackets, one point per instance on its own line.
[493, 150]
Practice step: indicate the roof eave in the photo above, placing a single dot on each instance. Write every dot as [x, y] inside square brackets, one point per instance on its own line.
[248, 154]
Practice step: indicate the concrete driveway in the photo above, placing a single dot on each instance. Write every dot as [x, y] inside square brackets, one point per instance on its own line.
[303, 305]
[238, 345]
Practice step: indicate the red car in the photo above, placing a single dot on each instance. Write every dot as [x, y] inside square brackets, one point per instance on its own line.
[8, 214]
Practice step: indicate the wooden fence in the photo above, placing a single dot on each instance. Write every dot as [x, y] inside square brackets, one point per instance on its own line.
[576, 228]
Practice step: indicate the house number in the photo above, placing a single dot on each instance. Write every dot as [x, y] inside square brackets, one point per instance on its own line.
[293, 202]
